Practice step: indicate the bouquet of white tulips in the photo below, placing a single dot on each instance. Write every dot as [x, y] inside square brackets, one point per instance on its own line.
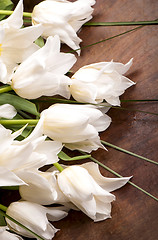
[31, 66]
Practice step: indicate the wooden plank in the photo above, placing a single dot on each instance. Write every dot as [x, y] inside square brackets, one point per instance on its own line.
[134, 215]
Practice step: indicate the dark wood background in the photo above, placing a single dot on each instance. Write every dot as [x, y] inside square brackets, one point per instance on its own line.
[134, 214]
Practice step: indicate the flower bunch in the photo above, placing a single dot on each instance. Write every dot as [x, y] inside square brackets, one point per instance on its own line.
[33, 71]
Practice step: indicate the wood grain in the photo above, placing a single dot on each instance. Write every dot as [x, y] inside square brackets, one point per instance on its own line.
[134, 215]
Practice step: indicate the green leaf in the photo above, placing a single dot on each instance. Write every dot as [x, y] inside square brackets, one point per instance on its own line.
[40, 42]
[63, 156]
[2, 221]
[19, 103]
[5, 5]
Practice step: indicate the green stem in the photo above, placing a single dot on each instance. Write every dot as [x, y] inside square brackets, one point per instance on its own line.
[6, 12]
[121, 23]
[28, 14]
[5, 89]
[133, 110]
[31, 122]
[104, 40]
[118, 175]
[3, 208]
[139, 100]
[21, 225]
[58, 100]
[63, 156]
[14, 188]
[128, 152]
[58, 166]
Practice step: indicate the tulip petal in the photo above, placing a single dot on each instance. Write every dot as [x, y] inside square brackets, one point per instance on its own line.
[7, 111]
[8, 178]
[5, 235]
[39, 189]
[15, 20]
[109, 184]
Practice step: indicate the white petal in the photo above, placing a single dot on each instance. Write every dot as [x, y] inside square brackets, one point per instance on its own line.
[22, 38]
[16, 18]
[109, 184]
[3, 73]
[7, 111]
[6, 138]
[87, 146]
[50, 149]
[39, 189]
[57, 213]
[75, 183]
[8, 178]
[5, 235]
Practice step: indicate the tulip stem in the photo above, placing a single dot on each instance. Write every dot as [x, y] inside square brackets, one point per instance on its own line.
[3, 208]
[139, 100]
[7, 12]
[5, 89]
[128, 152]
[30, 122]
[153, 22]
[134, 110]
[121, 23]
[21, 225]
[106, 39]
[58, 166]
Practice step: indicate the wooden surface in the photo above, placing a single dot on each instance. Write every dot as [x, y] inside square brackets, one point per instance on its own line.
[134, 214]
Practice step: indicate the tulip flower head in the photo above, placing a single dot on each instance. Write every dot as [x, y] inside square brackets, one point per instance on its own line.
[16, 44]
[63, 18]
[95, 82]
[76, 126]
[35, 217]
[43, 73]
[16, 156]
[88, 190]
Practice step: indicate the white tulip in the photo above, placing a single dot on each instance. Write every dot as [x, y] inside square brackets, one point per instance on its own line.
[41, 188]
[16, 156]
[5, 235]
[16, 44]
[63, 18]
[34, 217]
[7, 111]
[76, 126]
[43, 72]
[95, 82]
[87, 189]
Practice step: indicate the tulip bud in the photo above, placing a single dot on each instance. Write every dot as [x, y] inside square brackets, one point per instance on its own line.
[63, 18]
[88, 190]
[95, 82]
[43, 73]
[34, 217]
[76, 126]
